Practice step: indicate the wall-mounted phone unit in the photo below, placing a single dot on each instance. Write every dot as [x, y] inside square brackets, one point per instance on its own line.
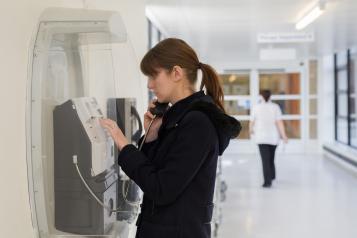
[89, 113]
[77, 132]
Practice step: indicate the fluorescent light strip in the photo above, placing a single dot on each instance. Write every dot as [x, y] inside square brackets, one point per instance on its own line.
[310, 17]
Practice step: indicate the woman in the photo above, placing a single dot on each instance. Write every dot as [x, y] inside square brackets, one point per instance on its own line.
[176, 168]
[268, 128]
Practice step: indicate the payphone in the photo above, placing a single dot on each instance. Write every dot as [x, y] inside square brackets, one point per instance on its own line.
[77, 132]
[91, 192]
[78, 57]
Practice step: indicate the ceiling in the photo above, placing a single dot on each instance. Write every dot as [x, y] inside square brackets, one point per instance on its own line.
[225, 31]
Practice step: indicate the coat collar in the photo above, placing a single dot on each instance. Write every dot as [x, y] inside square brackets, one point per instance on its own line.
[175, 113]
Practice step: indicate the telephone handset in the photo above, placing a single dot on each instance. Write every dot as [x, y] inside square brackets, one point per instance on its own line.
[159, 109]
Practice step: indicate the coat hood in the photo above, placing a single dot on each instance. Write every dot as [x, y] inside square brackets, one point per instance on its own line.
[227, 127]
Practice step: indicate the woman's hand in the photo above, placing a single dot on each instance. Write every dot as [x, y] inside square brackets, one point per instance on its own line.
[148, 117]
[114, 132]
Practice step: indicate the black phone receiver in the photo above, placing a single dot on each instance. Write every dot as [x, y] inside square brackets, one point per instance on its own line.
[159, 109]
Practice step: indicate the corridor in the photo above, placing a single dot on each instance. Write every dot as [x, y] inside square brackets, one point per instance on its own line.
[311, 197]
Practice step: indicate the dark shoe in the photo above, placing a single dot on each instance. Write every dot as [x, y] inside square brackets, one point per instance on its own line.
[266, 185]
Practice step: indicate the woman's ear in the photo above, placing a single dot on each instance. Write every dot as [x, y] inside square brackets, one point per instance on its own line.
[177, 73]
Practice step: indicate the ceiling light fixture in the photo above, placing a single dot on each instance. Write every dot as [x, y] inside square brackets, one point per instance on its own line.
[311, 16]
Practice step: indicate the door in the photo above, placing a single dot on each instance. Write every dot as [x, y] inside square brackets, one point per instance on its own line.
[290, 90]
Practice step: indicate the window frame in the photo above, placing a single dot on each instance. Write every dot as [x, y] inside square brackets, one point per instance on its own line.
[347, 92]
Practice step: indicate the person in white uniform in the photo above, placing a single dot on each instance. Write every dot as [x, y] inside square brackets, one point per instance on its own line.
[267, 128]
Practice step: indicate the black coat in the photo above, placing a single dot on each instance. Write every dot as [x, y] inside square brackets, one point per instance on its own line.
[177, 171]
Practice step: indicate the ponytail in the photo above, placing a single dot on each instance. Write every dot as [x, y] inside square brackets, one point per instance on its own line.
[211, 82]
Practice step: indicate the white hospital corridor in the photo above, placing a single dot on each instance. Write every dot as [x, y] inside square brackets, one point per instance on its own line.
[178, 119]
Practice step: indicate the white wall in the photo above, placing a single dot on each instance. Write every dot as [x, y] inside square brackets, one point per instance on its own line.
[18, 19]
[326, 100]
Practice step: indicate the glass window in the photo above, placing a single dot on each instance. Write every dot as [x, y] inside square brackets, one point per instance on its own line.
[342, 80]
[313, 76]
[342, 104]
[313, 106]
[353, 121]
[353, 128]
[291, 107]
[237, 107]
[353, 73]
[244, 134]
[235, 84]
[342, 60]
[342, 97]
[292, 128]
[280, 83]
[353, 98]
[313, 129]
[342, 130]
[353, 107]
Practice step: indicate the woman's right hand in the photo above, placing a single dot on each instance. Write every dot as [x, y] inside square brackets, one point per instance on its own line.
[148, 117]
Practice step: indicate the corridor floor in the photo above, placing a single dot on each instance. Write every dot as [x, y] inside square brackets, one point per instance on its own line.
[312, 197]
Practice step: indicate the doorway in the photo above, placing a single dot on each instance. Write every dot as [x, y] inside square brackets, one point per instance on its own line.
[293, 88]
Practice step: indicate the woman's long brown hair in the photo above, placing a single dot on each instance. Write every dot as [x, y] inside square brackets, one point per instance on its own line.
[175, 52]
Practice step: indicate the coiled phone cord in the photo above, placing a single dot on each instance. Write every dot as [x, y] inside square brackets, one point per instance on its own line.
[141, 145]
[75, 162]
[125, 193]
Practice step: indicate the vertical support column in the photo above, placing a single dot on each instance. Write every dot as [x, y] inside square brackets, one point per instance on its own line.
[254, 87]
[304, 103]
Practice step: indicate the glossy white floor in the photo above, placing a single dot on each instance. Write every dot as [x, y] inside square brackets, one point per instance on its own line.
[311, 197]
